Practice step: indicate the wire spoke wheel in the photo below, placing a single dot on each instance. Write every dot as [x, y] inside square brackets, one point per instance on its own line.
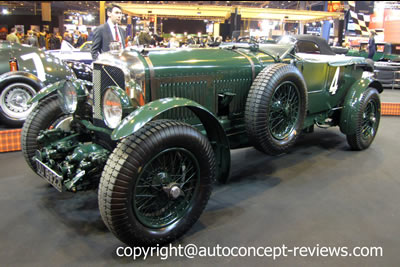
[284, 110]
[276, 108]
[369, 123]
[367, 114]
[165, 188]
[156, 183]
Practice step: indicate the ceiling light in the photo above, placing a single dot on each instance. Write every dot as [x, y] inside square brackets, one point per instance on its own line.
[5, 11]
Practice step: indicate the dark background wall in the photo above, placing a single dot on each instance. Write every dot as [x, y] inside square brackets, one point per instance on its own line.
[181, 26]
[27, 21]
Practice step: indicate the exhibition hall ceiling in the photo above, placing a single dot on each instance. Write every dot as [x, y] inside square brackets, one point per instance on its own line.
[34, 7]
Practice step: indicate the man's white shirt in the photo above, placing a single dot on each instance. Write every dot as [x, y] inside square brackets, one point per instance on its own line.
[112, 27]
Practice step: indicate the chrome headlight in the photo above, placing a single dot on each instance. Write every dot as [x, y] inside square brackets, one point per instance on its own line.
[112, 108]
[68, 98]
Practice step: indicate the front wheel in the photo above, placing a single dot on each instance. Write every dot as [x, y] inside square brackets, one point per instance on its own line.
[367, 122]
[156, 183]
[47, 114]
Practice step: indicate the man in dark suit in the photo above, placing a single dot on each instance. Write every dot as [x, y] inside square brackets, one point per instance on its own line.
[108, 32]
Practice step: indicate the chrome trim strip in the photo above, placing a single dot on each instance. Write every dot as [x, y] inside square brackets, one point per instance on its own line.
[253, 69]
[109, 75]
[152, 78]
[313, 92]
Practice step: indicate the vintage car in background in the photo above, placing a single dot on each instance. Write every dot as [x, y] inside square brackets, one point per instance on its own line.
[384, 51]
[387, 62]
[388, 73]
[78, 59]
[157, 129]
[24, 70]
[70, 53]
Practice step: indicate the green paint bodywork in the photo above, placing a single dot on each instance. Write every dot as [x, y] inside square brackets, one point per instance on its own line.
[55, 69]
[383, 52]
[207, 88]
[88, 125]
[78, 84]
[46, 91]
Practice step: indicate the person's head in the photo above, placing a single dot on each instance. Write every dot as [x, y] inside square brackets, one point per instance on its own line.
[114, 12]
[372, 34]
[13, 30]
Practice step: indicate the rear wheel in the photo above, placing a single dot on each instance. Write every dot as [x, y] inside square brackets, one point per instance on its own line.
[367, 122]
[156, 183]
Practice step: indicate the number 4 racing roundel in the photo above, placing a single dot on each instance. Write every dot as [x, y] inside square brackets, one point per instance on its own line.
[334, 84]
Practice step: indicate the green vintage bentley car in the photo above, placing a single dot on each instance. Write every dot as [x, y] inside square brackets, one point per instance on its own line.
[24, 70]
[387, 62]
[157, 129]
[384, 51]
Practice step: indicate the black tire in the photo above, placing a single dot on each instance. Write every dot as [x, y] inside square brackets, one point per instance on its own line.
[259, 113]
[124, 178]
[43, 116]
[367, 123]
[13, 107]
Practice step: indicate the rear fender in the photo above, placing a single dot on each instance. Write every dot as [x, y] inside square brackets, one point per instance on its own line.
[349, 114]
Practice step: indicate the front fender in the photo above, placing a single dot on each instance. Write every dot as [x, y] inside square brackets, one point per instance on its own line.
[45, 91]
[79, 85]
[348, 117]
[215, 132]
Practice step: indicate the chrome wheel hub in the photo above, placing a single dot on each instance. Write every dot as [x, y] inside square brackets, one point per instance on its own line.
[16, 100]
[173, 191]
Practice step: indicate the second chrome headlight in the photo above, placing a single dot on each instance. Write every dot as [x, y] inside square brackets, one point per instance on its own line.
[112, 108]
[68, 98]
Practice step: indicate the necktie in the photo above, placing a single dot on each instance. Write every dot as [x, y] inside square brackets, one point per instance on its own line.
[116, 34]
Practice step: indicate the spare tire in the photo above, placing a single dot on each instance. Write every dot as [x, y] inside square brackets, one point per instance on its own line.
[276, 108]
